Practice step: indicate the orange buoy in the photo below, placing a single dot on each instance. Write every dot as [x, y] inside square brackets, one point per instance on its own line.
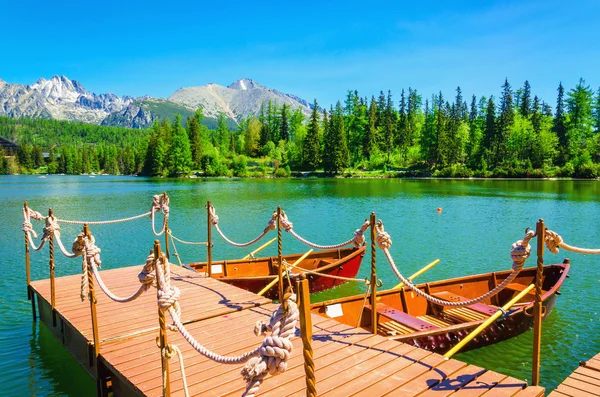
[439, 209]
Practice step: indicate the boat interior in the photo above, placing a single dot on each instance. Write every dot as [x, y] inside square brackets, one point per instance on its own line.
[263, 267]
[402, 312]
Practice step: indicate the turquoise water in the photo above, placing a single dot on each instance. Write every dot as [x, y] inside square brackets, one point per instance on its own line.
[473, 234]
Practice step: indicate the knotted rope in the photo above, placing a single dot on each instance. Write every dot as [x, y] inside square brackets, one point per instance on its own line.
[160, 202]
[358, 238]
[276, 349]
[519, 253]
[271, 225]
[554, 241]
[92, 259]
[270, 357]
[28, 213]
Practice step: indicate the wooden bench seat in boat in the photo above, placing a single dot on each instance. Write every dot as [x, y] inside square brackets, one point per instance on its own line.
[406, 321]
[520, 287]
[474, 312]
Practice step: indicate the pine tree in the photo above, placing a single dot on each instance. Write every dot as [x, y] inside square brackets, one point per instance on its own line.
[560, 127]
[284, 128]
[428, 140]
[536, 115]
[597, 112]
[370, 141]
[180, 154]
[311, 153]
[341, 154]
[505, 121]
[525, 102]
[329, 144]
[473, 112]
[490, 137]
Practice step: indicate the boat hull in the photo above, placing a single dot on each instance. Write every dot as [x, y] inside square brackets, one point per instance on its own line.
[246, 274]
[503, 329]
[409, 318]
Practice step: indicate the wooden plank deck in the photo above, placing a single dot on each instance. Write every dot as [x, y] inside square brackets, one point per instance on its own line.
[348, 361]
[583, 382]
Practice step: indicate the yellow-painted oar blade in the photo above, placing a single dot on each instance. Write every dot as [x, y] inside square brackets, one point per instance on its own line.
[262, 247]
[272, 283]
[487, 322]
[417, 274]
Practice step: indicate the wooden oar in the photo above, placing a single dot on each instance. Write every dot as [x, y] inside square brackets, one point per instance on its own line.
[272, 283]
[487, 322]
[417, 274]
[265, 245]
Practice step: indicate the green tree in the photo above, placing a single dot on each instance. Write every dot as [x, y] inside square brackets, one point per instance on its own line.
[525, 101]
[560, 127]
[180, 154]
[580, 119]
[284, 127]
[311, 150]
[370, 140]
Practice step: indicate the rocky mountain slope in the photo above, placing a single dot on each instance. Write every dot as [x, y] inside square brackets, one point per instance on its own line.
[236, 101]
[58, 98]
[64, 99]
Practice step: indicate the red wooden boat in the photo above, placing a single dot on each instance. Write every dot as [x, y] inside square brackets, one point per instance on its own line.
[254, 274]
[407, 317]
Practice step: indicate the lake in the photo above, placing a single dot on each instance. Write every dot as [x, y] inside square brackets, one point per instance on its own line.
[479, 221]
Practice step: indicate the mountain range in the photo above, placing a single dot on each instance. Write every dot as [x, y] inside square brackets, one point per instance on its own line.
[64, 99]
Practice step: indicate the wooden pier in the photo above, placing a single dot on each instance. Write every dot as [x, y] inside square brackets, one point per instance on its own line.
[583, 382]
[348, 361]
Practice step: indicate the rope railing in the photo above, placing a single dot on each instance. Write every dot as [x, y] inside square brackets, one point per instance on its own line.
[358, 238]
[520, 251]
[554, 241]
[170, 233]
[272, 224]
[52, 228]
[92, 258]
[270, 357]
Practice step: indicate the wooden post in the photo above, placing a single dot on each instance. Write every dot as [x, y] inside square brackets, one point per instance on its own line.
[27, 258]
[306, 334]
[162, 338]
[537, 306]
[92, 299]
[51, 264]
[373, 299]
[165, 197]
[210, 243]
[279, 252]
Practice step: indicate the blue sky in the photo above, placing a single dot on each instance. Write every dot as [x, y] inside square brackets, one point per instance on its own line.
[311, 49]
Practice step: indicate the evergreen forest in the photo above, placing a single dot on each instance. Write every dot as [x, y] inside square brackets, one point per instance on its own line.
[513, 134]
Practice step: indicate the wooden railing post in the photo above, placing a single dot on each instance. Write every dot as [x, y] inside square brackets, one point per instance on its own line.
[537, 306]
[165, 197]
[279, 255]
[92, 298]
[306, 334]
[27, 257]
[30, 295]
[51, 264]
[162, 339]
[373, 297]
[210, 243]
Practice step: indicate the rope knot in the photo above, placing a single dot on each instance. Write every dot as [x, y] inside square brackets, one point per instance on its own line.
[78, 247]
[92, 252]
[214, 218]
[383, 239]
[168, 298]
[52, 228]
[519, 254]
[276, 349]
[160, 202]
[285, 222]
[146, 276]
[553, 241]
[359, 234]
[272, 224]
